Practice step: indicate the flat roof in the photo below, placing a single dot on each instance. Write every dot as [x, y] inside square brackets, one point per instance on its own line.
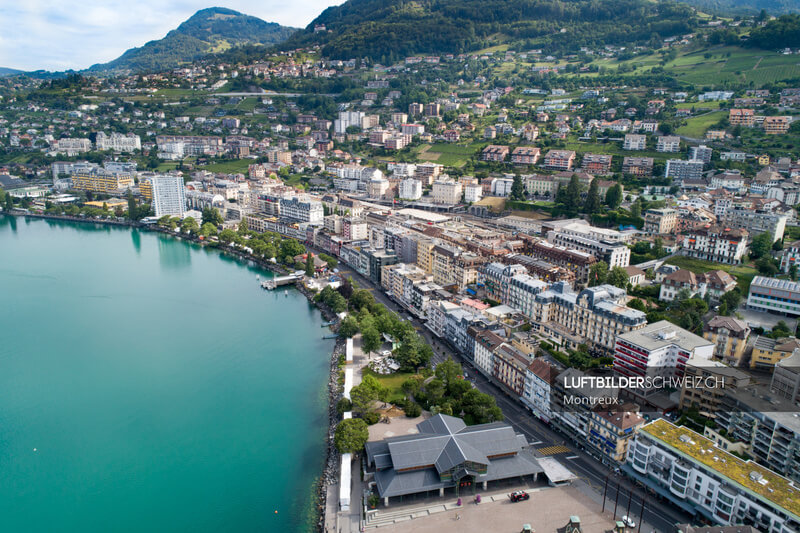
[663, 333]
[777, 490]
[774, 283]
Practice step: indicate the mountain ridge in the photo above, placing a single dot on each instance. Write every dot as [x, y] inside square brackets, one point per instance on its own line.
[208, 30]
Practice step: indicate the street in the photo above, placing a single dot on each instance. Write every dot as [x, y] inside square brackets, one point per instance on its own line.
[658, 516]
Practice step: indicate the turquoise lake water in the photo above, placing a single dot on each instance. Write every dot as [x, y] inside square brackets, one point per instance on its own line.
[147, 384]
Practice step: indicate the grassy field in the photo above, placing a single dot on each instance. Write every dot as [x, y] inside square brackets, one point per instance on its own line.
[393, 382]
[610, 148]
[743, 273]
[696, 127]
[229, 167]
[452, 155]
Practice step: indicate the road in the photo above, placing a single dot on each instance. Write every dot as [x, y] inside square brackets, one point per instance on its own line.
[658, 516]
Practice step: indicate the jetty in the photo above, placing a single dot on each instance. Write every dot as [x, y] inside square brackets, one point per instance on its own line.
[273, 283]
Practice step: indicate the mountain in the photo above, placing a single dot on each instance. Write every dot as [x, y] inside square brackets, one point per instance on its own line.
[9, 71]
[388, 30]
[209, 30]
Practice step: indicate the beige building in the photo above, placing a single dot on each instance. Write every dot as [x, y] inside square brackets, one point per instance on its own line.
[729, 336]
[610, 430]
[447, 192]
[660, 221]
[706, 384]
[767, 352]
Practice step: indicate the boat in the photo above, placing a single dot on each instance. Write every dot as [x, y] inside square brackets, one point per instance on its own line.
[286, 292]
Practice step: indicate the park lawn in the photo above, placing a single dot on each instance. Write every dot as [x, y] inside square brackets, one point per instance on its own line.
[453, 155]
[744, 273]
[176, 92]
[247, 105]
[696, 127]
[393, 382]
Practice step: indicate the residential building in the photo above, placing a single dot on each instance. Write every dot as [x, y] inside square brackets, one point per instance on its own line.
[525, 155]
[742, 117]
[715, 243]
[446, 191]
[169, 196]
[410, 189]
[574, 260]
[660, 221]
[686, 468]
[495, 153]
[707, 383]
[768, 352]
[509, 366]
[714, 284]
[539, 378]
[658, 349]
[680, 170]
[118, 142]
[668, 143]
[637, 166]
[73, 146]
[302, 210]
[486, 342]
[444, 453]
[597, 164]
[472, 193]
[776, 125]
[729, 336]
[701, 153]
[611, 430]
[634, 141]
[790, 256]
[559, 159]
[613, 253]
[99, 180]
[756, 222]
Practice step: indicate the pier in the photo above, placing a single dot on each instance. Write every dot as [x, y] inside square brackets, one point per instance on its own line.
[274, 283]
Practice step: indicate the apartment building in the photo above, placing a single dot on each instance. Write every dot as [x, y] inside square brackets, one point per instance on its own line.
[612, 429]
[660, 221]
[768, 352]
[168, 195]
[410, 189]
[634, 141]
[729, 336]
[597, 164]
[658, 349]
[742, 117]
[790, 256]
[637, 166]
[668, 143]
[73, 146]
[539, 378]
[693, 474]
[559, 159]
[680, 170]
[776, 125]
[707, 383]
[302, 210]
[756, 222]
[99, 180]
[454, 267]
[596, 315]
[715, 243]
[118, 142]
[446, 192]
[493, 152]
[354, 229]
[509, 367]
[525, 155]
[486, 342]
[613, 253]
[701, 153]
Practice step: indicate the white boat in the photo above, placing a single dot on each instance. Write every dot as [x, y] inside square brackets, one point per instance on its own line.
[286, 292]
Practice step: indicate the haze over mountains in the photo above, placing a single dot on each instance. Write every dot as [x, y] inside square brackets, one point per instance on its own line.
[209, 30]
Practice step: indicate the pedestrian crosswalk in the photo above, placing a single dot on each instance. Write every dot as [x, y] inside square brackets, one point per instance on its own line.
[553, 450]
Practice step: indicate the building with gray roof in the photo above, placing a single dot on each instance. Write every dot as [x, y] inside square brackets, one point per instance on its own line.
[447, 453]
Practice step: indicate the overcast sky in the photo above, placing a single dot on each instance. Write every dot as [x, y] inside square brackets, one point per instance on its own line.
[59, 35]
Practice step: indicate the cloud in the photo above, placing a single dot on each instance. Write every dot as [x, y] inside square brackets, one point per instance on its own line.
[51, 35]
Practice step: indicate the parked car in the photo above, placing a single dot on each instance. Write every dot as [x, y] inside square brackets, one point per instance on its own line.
[519, 496]
[628, 522]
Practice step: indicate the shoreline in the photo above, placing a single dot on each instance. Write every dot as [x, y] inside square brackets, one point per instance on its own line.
[329, 472]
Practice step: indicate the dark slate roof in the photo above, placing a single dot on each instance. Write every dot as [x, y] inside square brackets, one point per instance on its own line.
[442, 444]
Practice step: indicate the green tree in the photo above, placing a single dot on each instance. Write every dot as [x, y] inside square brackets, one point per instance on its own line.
[228, 236]
[367, 393]
[448, 371]
[517, 189]
[760, 245]
[573, 196]
[131, 206]
[592, 204]
[361, 298]
[310, 265]
[793, 272]
[349, 327]
[618, 277]
[614, 196]
[243, 229]
[598, 273]
[370, 339]
[189, 225]
[636, 208]
[290, 248]
[211, 215]
[766, 266]
[351, 435]
[208, 230]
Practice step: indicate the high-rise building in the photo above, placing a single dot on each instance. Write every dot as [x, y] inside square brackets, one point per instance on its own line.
[169, 196]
